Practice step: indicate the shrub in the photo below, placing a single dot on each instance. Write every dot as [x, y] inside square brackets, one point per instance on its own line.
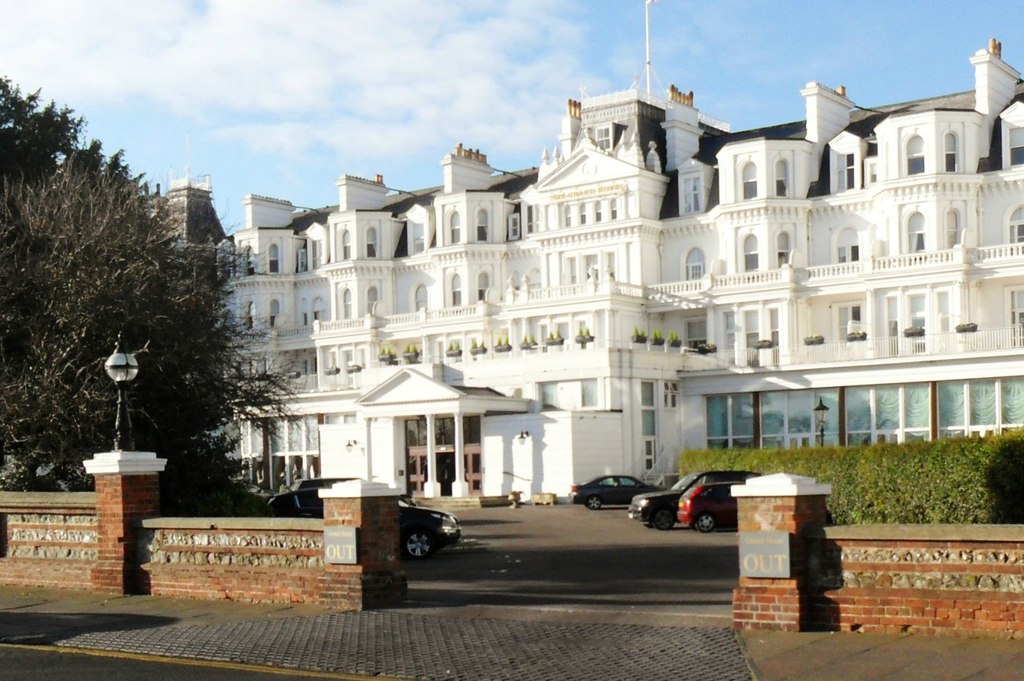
[956, 480]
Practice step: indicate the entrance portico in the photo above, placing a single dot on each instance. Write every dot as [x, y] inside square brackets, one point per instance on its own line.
[425, 435]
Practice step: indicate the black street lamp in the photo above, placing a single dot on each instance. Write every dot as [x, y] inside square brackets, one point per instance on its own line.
[820, 414]
[122, 368]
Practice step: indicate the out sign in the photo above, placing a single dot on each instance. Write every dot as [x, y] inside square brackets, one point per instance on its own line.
[764, 554]
[340, 545]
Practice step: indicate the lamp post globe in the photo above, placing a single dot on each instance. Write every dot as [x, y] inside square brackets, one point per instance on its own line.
[820, 415]
[122, 368]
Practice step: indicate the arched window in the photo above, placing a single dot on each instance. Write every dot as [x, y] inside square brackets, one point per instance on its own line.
[847, 248]
[371, 243]
[750, 254]
[950, 153]
[952, 228]
[318, 309]
[483, 282]
[275, 310]
[346, 304]
[420, 298]
[455, 228]
[915, 155]
[247, 264]
[782, 248]
[456, 291]
[781, 178]
[750, 181]
[1017, 226]
[249, 314]
[482, 225]
[915, 233]
[346, 245]
[694, 264]
[273, 259]
[371, 300]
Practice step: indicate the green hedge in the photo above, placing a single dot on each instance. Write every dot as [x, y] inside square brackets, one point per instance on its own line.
[957, 480]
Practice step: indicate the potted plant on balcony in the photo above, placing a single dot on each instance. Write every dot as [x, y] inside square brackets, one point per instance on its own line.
[353, 368]
[387, 356]
[528, 343]
[503, 345]
[706, 348]
[584, 336]
[638, 335]
[913, 332]
[554, 338]
[966, 327]
[657, 338]
[411, 354]
[814, 339]
[855, 336]
[674, 341]
[454, 350]
[765, 344]
[477, 349]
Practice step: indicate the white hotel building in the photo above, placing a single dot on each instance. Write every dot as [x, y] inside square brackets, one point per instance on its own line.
[869, 258]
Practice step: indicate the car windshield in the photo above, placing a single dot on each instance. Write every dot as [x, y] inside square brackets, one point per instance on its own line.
[685, 482]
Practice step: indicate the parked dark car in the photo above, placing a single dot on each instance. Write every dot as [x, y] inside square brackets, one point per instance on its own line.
[609, 490]
[658, 509]
[708, 507]
[423, 530]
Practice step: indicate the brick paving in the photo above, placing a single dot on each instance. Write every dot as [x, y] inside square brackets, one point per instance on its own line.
[407, 646]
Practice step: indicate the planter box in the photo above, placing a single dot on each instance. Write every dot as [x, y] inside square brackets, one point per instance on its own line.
[639, 339]
[814, 340]
[503, 348]
[675, 343]
[555, 341]
[857, 336]
[454, 354]
[913, 332]
[968, 327]
[477, 351]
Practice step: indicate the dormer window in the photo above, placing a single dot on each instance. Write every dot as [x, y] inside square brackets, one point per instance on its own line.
[603, 137]
[847, 171]
[532, 218]
[1016, 146]
[691, 194]
[915, 155]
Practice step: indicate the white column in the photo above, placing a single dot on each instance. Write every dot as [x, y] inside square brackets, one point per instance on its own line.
[459, 487]
[433, 487]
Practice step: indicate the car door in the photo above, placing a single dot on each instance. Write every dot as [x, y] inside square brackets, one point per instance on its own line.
[725, 506]
[627, 489]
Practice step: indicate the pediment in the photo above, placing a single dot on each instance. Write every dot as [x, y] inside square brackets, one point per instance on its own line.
[316, 231]
[406, 387]
[587, 167]
[1014, 114]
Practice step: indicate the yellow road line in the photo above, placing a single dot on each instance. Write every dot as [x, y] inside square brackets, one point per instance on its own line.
[214, 664]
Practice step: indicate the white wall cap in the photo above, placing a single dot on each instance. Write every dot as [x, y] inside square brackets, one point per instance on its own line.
[781, 485]
[357, 489]
[124, 463]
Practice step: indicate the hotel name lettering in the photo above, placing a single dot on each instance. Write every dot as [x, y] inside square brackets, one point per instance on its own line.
[340, 545]
[764, 554]
[593, 191]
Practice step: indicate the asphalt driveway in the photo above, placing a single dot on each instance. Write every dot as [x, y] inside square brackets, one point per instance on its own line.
[566, 563]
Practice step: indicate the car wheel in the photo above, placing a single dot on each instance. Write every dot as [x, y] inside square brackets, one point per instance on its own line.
[594, 502]
[664, 519]
[705, 522]
[418, 544]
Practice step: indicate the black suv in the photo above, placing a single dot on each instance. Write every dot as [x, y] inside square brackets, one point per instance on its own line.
[423, 530]
[658, 509]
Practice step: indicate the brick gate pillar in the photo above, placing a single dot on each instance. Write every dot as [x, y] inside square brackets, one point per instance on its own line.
[127, 491]
[773, 512]
[362, 564]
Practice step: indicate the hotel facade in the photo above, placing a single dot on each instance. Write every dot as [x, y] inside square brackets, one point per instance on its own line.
[658, 283]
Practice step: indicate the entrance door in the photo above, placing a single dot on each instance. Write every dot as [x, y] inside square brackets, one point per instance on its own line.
[446, 472]
[417, 469]
[474, 478]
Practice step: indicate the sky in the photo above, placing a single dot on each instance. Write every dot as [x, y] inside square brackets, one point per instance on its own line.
[281, 97]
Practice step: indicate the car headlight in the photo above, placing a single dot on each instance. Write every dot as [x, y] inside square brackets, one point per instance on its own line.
[450, 524]
[644, 502]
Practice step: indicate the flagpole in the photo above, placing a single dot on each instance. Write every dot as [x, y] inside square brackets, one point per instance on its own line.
[647, 30]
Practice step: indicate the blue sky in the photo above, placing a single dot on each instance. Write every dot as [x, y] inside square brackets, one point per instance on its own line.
[280, 97]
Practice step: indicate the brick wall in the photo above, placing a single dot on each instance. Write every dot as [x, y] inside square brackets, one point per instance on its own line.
[246, 559]
[48, 539]
[932, 579]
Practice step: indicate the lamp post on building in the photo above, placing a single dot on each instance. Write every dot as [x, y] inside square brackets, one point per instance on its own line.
[122, 369]
[820, 415]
